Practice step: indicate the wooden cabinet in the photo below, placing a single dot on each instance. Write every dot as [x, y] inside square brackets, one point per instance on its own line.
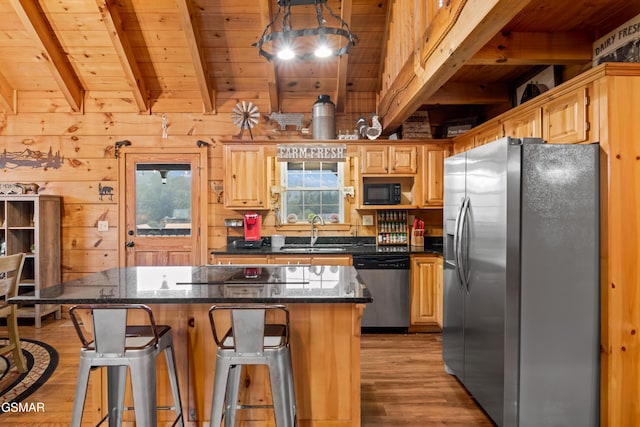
[426, 293]
[394, 159]
[464, 142]
[526, 124]
[566, 118]
[31, 224]
[245, 181]
[489, 134]
[290, 259]
[432, 174]
[238, 259]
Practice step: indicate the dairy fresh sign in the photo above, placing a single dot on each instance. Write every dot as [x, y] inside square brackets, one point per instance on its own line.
[620, 45]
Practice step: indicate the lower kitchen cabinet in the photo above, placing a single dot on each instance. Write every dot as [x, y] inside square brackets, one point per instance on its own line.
[239, 259]
[426, 293]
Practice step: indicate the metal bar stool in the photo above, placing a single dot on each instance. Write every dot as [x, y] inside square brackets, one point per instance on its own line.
[118, 346]
[10, 272]
[252, 341]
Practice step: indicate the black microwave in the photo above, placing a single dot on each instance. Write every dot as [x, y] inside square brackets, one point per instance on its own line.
[381, 194]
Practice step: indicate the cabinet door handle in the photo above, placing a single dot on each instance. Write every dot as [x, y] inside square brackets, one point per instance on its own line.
[130, 244]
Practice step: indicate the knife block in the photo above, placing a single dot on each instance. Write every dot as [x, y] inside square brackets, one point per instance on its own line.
[417, 238]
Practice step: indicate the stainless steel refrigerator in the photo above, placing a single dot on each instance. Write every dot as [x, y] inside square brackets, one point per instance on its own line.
[521, 324]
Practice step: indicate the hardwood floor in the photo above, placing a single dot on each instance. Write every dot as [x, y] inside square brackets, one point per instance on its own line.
[403, 382]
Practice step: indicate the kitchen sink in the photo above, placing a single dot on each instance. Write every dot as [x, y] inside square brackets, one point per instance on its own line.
[314, 248]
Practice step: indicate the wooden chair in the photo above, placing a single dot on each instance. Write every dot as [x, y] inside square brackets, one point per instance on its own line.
[10, 272]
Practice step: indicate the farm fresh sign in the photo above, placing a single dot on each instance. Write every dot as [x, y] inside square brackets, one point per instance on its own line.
[334, 153]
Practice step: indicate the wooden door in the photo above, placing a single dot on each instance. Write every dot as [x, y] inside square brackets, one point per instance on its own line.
[162, 207]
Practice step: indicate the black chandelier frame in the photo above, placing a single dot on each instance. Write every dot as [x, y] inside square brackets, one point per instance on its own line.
[289, 34]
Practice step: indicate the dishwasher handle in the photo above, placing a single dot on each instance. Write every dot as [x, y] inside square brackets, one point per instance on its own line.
[374, 262]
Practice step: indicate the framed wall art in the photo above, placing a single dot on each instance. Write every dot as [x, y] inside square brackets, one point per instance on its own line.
[540, 80]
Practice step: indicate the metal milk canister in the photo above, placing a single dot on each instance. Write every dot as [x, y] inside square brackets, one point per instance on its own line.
[324, 118]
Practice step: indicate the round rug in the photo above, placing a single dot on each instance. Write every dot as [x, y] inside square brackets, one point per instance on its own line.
[42, 360]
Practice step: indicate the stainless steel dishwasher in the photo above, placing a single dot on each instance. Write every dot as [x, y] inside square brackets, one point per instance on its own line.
[387, 277]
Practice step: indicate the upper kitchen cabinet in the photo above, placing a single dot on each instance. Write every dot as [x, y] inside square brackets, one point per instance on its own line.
[384, 159]
[432, 174]
[566, 118]
[245, 183]
[526, 124]
[489, 132]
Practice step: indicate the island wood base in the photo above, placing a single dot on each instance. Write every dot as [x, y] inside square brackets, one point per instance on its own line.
[325, 346]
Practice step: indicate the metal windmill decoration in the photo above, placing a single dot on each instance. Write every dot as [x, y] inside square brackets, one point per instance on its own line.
[245, 116]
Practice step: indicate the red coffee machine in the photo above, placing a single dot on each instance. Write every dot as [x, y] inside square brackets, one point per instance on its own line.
[252, 225]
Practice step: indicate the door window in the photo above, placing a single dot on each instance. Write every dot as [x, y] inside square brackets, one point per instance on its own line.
[163, 199]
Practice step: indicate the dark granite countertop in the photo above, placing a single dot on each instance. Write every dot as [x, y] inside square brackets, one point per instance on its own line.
[332, 246]
[209, 284]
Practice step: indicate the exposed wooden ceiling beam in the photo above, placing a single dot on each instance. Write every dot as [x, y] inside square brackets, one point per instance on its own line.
[266, 12]
[32, 17]
[475, 25]
[524, 48]
[470, 93]
[7, 96]
[343, 62]
[113, 22]
[190, 27]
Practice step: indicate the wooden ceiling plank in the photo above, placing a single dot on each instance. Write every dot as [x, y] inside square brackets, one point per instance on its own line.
[7, 96]
[190, 27]
[343, 62]
[266, 12]
[527, 48]
[32, 17]
[113, 23]
[473, 28]
[471, 93]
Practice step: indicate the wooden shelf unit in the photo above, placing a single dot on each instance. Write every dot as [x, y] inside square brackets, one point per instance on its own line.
[33, 222]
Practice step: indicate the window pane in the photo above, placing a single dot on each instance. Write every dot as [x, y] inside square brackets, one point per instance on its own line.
[312, 210]
[329, 180]
[295, 179]
[333, 167]
[294, 197]
[330, 197]
[312, 198]
[163, 199]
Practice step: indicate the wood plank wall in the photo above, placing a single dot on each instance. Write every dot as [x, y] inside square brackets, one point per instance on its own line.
[85, 142]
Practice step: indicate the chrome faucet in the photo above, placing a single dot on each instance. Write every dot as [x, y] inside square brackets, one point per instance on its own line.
[314, 230]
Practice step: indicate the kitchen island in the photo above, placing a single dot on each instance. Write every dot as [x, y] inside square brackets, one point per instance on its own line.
[325, 304]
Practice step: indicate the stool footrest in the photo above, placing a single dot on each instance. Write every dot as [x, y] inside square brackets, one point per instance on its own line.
[253, 406]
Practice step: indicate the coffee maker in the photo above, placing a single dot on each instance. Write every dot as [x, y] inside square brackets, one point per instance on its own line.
[252, 224]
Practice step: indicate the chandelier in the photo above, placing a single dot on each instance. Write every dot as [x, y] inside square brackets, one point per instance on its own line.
[323, 41]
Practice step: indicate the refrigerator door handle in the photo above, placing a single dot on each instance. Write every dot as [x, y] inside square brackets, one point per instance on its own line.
[456, 243]
[464, 271]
